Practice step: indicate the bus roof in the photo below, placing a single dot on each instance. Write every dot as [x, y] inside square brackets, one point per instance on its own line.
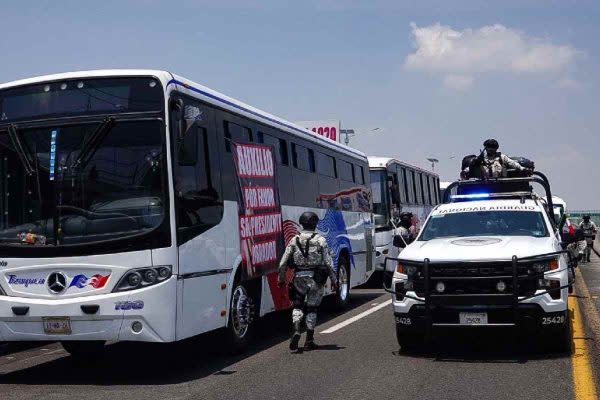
[197, 90]
[384, 162]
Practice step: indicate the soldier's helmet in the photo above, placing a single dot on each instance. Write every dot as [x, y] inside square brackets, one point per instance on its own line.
[491, 144]
[309, 220]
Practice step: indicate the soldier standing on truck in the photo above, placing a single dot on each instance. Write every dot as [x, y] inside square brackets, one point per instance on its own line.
[491, 163]
[308, 254]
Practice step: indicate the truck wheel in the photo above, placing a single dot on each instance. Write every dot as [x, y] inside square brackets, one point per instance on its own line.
[241, 318]
[343, 292]
[559, 341]
[83, 349]
[409, 341]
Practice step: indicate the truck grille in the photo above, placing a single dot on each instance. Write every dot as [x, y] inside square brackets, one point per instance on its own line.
[477, 279]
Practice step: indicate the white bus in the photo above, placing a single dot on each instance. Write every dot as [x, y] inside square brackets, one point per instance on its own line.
[399, 187]
[137, 205]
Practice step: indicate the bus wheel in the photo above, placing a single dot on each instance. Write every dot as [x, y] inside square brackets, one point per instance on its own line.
[241, 318]
[343, 292]
[83, 349]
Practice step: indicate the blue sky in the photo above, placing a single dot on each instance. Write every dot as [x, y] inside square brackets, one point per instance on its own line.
[524, 72]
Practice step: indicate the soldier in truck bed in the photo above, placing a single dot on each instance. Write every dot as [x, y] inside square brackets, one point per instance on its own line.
[491, 163]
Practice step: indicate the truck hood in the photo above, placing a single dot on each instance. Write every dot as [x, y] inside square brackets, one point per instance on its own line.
[478, 248]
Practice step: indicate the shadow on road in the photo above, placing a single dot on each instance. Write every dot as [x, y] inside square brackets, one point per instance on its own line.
[164, 364]
[476, 346]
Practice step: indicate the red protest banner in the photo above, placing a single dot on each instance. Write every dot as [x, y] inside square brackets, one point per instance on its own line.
[261, 234]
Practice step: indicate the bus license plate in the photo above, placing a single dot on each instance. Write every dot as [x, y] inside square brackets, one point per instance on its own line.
[467, 318]
[57, 325]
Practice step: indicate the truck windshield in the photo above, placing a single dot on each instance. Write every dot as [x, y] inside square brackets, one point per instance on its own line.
[117, 192]
[485, 223]
[380, 197]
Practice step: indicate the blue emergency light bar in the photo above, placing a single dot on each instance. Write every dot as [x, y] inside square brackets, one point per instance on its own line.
[471, 196]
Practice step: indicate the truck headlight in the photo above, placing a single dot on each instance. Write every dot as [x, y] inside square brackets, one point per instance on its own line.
[143, 277]
[545, 266]
[408, 270]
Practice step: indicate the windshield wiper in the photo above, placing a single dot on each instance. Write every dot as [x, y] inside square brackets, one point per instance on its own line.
[24, 156]
[89, 147]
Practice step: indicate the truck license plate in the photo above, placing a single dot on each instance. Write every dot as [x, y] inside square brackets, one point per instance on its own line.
[467, 318]
[57, 325]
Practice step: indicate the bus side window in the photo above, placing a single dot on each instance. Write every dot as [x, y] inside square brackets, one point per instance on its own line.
[198, 202]
[395, 191]
[303, 158]
[360, 174]
[235, 133]
[429, 188]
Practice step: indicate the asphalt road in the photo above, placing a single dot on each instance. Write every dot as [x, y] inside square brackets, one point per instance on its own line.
[357, 361]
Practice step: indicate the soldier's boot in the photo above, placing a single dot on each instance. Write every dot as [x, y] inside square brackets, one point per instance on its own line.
[310, 344]
[294, 341]
[298, 322]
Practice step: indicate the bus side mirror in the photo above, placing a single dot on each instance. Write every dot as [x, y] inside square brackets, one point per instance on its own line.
[177, 108]
[186, 136]
[399, 241]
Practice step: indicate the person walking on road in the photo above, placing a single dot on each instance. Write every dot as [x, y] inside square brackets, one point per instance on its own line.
[308, 255]
[589, 231]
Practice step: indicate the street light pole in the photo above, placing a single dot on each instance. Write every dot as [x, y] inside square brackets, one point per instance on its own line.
[433, 161]
[351, 132]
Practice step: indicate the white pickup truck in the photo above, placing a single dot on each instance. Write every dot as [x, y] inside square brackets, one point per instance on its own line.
[490, 256]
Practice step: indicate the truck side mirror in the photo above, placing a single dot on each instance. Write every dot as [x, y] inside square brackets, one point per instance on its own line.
[399, 241]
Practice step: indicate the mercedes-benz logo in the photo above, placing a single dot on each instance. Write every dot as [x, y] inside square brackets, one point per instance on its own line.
[57, 282]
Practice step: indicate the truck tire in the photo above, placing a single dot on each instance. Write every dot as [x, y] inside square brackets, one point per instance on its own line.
[559, 341]
[409, 341]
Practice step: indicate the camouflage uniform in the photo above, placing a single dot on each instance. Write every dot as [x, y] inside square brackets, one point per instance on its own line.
[309, 255]
[589, 230]
[494, 166]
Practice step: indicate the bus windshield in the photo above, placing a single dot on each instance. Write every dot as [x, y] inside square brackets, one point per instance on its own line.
[380, 198]
[60, 200]
[485, 223]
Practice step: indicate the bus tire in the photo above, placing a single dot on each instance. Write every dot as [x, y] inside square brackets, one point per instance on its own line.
[342, 293]
[83, 349]
[242, 315]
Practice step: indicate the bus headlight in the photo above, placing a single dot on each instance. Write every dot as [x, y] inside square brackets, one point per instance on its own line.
[143, 277]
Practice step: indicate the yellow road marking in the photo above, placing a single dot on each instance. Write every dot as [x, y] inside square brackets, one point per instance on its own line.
[583, 378]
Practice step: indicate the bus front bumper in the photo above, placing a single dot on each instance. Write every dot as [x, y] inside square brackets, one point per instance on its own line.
[23, 319]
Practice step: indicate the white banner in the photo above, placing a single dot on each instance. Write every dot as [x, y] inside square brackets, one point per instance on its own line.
[329, 129]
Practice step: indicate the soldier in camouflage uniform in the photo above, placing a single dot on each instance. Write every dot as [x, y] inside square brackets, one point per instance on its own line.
[308, 254]
[589, 231]
[491, 163]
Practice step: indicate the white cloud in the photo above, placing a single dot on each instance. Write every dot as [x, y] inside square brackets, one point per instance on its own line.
[492, 48]
[568, 83]
[458, 82]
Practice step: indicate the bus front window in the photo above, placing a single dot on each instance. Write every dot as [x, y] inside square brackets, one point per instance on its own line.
[380, 197]
[83, 185]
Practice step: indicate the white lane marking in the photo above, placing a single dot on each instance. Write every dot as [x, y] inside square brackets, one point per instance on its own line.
[357, 317]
